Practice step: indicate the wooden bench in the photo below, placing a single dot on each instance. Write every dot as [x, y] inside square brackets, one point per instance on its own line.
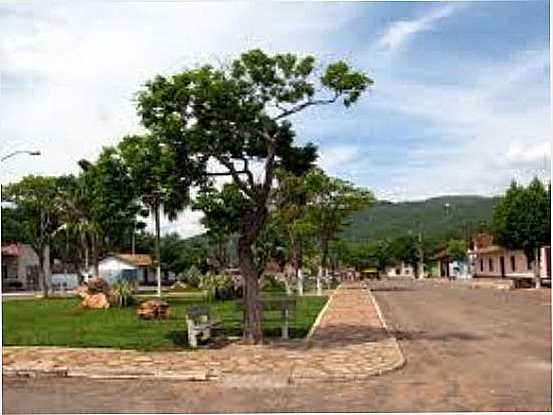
[199, 323]
[284, 305]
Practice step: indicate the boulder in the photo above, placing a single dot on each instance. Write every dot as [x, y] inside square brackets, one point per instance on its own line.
[95, 301]
[98, 285]
[153, 309]
[95, 293]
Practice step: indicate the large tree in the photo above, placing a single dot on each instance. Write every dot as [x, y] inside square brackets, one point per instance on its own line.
[332, 201]
[151, 166]
[35, 197]
[522, 220]
[237, 115]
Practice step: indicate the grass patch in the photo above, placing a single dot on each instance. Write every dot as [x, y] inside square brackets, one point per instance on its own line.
[62, 322]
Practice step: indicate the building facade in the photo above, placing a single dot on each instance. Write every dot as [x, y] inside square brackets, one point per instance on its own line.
[494, 261]
[20, 267]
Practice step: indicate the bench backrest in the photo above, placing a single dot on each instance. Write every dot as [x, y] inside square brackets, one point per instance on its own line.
[197, 314]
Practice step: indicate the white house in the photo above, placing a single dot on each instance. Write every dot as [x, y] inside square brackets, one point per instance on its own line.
[400, 270]
[135, 268]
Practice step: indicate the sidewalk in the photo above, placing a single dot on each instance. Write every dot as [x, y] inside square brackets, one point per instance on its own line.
[348, 343]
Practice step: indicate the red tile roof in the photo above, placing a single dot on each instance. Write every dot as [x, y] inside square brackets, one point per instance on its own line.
[10, 250]
[138, 260]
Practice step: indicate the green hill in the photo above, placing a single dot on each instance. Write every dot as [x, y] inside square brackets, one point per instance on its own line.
[438, 218]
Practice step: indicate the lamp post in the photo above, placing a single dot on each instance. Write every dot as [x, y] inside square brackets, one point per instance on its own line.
[29, 152]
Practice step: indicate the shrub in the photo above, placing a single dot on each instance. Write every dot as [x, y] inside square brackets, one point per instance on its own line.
[122, 294]
[217, 286]
[272, 284]
[193, 276]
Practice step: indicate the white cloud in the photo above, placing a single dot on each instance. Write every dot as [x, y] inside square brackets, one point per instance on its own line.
[399, 32]
[68, 72]
[333, 158]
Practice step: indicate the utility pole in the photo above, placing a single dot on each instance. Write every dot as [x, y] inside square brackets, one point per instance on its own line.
[421, 257]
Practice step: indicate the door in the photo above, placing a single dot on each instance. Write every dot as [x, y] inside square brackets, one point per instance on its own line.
[502, 266]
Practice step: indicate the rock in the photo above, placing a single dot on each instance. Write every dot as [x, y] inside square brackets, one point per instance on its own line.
[95, 301]
[98, 285]
[153, 309]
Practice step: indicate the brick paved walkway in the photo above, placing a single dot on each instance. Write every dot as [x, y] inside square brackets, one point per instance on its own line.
[348, 344]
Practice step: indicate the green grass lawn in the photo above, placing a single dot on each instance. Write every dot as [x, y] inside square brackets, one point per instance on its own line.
[62, 322]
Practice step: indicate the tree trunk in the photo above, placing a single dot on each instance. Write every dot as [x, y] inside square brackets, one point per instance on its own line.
[536, 268]
[158, 251]
[323, 271]
[296, 264]
[300, 282]
[46, 274]
[253, 333]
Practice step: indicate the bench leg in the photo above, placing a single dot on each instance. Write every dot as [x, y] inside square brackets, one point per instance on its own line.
[192, 339]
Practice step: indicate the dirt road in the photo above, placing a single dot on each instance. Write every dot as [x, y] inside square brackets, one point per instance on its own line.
[466, 350]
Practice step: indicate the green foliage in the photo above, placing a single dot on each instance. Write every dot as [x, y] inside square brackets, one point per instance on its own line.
[39, 215]
[457, 250]
[272, 284]
[331, 202]
[522, 218]
[405, 249]
[212, 283]
[122, 294]
[193, 276]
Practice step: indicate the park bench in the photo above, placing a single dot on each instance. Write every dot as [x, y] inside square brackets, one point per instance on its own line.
[284, 305]
[199, 323]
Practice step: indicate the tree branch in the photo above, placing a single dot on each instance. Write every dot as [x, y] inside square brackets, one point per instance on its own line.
[306, 104]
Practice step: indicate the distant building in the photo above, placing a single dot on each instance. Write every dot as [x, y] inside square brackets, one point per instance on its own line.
[138, 268]
[400, 270]
[495, 261]
[65, 276]
[20, 267]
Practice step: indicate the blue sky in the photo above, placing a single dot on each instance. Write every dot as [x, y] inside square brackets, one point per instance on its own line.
[460, 102]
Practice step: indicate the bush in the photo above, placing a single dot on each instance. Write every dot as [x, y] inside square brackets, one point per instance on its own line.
[193, 276]
[273, 285]
[217, 286]
[122, 294]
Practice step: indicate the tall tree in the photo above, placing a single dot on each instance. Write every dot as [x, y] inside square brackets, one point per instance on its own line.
[237, 115]
[522, 220]
[406, 249]
[291, 203]
[151, 166]
[36, 199]
[106, 195]
[331, 203]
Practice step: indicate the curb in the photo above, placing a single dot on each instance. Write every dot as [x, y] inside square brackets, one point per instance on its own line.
[319, 318]
[197, 376]
[402, 360]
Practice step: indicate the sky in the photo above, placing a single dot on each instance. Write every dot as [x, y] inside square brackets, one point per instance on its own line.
[460, 102]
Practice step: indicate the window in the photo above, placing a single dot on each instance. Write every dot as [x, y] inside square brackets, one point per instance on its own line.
[528, 264]
[490, 265]
[481, 265]
[513, 263]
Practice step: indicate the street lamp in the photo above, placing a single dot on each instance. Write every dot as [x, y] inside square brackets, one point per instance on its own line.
[31, 153]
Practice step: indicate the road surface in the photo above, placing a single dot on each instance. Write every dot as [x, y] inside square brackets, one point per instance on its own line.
[466, 350]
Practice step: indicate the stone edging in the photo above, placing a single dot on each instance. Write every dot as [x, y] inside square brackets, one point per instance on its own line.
[402, 360]
[319, 318]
